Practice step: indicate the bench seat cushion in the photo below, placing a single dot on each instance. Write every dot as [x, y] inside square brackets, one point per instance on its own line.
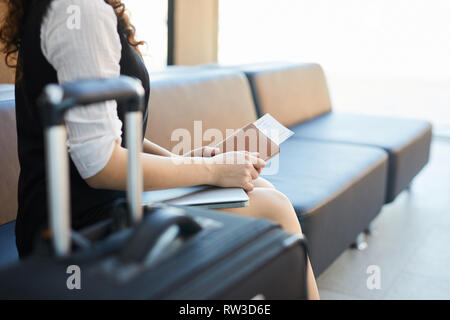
[407, 141]
[336, 190]
[8, 250]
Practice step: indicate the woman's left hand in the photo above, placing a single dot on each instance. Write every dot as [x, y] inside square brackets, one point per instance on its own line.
[205, 152]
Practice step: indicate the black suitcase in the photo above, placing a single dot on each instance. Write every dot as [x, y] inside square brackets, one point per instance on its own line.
[158, 252]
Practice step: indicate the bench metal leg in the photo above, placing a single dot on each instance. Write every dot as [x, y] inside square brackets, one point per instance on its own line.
[360, 242]
[370, 229]
[409, 188]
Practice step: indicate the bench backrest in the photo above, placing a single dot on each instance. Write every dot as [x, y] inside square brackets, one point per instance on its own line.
[9, 163]
[221, 99]
[291, 92]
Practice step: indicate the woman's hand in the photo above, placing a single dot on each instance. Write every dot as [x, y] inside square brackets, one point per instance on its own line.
[236, 169]
[205, 152]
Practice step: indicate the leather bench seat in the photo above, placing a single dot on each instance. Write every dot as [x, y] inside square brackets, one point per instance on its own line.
[297, 95]
[9, 162]
[9, 174]
[336, 190]
[407, 141]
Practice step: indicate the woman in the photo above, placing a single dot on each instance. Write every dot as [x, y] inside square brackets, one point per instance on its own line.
[66, 40]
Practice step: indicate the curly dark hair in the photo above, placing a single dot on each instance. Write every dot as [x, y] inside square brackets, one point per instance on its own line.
[12, 24]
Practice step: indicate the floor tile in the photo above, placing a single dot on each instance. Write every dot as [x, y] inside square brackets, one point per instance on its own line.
[410, 243]
[413, 287]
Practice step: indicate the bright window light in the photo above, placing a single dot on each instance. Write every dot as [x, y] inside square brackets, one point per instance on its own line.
[150, 19]
[381, 56]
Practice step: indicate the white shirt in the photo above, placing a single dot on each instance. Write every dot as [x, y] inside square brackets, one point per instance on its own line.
[91, 51]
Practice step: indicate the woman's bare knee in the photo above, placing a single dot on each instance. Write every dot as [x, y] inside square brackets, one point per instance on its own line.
[272, 205]
[275, 206]
[263, 183]
[284, 212]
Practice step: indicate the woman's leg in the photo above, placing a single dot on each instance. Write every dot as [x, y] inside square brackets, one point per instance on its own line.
[262, 183]
[271, 204]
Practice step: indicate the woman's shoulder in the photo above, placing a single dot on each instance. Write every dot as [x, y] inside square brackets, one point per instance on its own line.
[79, 9]
[82, 4]
[63, 16]
[82, 32]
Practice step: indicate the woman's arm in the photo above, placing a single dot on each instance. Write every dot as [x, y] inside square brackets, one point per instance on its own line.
[90, 52]
[152, 148]
[159, 172]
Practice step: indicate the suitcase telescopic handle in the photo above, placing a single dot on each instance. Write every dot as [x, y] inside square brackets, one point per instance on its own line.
[55, 101]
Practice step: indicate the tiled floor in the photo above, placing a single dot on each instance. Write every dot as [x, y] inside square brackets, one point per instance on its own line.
[410, 243]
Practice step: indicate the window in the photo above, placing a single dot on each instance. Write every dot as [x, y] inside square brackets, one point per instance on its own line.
[150, 19]
[381, 57]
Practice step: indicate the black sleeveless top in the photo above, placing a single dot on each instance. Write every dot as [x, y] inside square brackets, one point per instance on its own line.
[88, 205]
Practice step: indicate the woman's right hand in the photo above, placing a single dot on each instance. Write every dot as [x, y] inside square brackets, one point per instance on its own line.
[236, 169]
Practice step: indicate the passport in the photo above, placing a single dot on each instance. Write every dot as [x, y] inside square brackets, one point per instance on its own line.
[264, 136]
